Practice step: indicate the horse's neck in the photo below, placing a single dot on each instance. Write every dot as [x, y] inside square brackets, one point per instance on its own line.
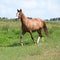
[23, 19]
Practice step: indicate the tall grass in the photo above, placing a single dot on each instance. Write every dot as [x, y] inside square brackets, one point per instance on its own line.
[9, 31]
[10, 49]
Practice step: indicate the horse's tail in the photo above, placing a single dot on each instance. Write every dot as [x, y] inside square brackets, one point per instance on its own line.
[46, 30]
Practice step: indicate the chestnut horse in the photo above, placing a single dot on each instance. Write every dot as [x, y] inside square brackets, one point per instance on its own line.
[31, 25]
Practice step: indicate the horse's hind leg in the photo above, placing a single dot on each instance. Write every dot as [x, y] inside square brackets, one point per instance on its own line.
[40, 35]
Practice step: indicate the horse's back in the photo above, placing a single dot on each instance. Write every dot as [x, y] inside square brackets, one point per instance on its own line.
[35, 23]
[39, 21]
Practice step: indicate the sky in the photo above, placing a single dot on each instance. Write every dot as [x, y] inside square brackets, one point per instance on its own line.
[44, 9]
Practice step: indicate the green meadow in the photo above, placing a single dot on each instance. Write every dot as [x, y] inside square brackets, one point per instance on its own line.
[10, 48]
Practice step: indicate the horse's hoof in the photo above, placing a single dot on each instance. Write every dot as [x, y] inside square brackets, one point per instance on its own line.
[21, 44]
[35, 43]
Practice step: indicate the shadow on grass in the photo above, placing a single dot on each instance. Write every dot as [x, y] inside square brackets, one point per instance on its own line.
[15, 44]
[18, 44]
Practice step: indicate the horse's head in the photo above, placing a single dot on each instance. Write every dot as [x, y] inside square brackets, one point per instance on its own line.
[19, 13]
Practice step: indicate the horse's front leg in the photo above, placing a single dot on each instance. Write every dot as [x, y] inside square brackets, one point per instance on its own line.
[21, 41]
[32, 37]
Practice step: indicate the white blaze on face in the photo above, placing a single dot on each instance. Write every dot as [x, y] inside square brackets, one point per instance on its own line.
[38, 40]
[17, 15]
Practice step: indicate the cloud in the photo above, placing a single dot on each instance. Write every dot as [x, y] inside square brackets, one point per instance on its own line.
[33, 8]
[50, 8]
[53, 8]
[29, 4]
[5, 11]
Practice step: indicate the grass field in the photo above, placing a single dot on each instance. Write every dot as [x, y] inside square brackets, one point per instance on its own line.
[10, 49]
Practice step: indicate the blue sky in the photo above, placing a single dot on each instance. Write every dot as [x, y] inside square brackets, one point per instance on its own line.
[32, 8]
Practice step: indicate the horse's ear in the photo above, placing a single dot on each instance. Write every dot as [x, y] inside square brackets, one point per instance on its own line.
[21, 10]
[17, 10]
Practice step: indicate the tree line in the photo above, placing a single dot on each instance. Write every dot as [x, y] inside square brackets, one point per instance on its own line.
[53, 19]
[15, 19]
